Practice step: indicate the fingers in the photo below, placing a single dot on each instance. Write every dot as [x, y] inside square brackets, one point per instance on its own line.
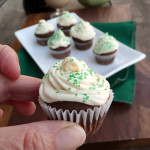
[26, 108]
[25, 88]
[9, 64]
[44, 135]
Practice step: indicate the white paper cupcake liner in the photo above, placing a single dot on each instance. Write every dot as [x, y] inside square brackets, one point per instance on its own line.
[83, 46]
[53, 52]
[105, 58]
[42, 39]
[90, 120]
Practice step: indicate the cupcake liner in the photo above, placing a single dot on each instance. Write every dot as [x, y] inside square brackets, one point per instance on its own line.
[61, 54]
[42, 41]
[90, 120]
[84, 45]
[105, 59]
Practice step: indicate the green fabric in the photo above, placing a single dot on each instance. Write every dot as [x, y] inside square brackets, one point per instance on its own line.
[122, 83]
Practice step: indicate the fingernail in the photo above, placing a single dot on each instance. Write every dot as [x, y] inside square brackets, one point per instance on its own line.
[70, 138]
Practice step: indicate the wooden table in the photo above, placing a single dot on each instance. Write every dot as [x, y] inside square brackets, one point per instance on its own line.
[125, 125]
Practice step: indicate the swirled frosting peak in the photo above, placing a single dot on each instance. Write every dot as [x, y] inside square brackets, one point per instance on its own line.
[44, 27]
[58, 39]
[66, 19]
[72, 80]
[106, 44]
[83, 31]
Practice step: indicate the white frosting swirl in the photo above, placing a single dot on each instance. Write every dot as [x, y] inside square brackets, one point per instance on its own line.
[44, 27]
[106, 44]
[58, 39]
[71, 80]
[66, 19]
[83, 31]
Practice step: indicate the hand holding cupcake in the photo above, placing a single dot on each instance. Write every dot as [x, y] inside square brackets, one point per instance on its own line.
[71, 91]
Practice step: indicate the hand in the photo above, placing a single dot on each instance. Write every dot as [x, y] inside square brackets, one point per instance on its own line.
[20, 91]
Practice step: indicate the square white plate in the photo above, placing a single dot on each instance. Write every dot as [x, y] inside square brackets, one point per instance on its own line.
[42, 56]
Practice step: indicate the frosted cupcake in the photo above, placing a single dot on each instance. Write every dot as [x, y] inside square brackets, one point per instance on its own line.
[60, 45]
[105, 49]
[43, 32]
[71, 91]
[83, 34]
[65, 22]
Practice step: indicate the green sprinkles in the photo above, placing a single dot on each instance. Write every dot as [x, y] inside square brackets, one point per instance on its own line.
[69, 88]
[87, 97]
[57, 92]
[76, 94]
[54, 66]
[71, 59]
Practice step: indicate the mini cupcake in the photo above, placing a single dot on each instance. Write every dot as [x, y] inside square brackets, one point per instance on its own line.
[105, 49]
[43, 32]
[65, 22]
[71, 91]
[83, 34]
[60, 45]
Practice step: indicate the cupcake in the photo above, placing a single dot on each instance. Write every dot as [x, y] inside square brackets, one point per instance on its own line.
[71, 91]
[83, 34]
[59, 44]
[65, 22]
[105, 49]
[43, 32]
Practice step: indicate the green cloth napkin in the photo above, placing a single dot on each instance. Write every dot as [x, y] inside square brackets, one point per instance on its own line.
[122, 83]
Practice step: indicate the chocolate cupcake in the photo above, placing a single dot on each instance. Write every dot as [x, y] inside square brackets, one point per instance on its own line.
[65, 22]
[83, 34]
[43, 32]
[60, 45]
[105, 49]
[71, 91]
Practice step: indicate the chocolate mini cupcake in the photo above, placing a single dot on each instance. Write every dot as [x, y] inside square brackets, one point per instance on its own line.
[71, 91]
[60, 45]
[83, 34]
[65, 22]
[43, 32]
[105, 49]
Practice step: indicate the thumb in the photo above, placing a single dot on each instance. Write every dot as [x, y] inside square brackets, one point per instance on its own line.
[44, 135]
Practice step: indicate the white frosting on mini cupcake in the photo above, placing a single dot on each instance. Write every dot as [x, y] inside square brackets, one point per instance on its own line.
[58, 39]
[82, 31]
[44, 27]
[106, 44]
[71, 80]
[66, 19]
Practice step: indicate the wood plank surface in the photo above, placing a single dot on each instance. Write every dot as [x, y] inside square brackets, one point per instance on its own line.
[125, 125]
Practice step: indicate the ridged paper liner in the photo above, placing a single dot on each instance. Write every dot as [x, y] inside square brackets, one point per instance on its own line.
[90, 120]
[105, 58]
[84, 45]
[60, 52]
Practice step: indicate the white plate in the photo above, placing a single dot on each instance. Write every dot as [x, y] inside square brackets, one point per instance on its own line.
[42, 56]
